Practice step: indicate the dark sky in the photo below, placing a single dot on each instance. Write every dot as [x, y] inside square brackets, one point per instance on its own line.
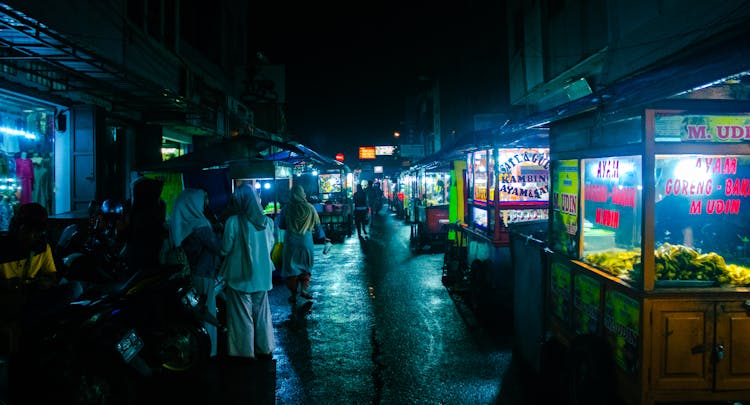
[349, 68]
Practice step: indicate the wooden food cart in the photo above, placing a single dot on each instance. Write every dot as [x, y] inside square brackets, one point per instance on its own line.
[648, 266]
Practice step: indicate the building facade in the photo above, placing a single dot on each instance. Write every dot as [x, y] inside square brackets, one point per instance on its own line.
[93, 90]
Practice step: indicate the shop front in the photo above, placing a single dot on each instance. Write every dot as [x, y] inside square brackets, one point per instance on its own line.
[28, 131]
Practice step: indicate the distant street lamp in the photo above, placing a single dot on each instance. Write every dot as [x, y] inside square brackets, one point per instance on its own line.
[396, 134]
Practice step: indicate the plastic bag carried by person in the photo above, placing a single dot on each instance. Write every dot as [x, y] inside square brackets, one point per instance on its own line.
[277, 254]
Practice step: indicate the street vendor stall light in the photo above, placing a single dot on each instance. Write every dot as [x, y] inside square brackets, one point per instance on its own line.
[314, 172]
[257, 186]
[267, 186]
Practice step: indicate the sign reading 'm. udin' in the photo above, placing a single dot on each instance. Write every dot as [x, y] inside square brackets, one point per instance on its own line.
[701, 128]
[722, 132]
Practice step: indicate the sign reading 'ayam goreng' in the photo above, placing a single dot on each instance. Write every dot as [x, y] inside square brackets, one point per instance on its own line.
[671, 127]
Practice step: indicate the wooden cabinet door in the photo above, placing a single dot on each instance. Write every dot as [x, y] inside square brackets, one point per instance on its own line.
[732, 345]
[682, 341]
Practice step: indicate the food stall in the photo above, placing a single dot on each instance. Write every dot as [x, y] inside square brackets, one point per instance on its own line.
[648, 265]
[336, 215]
[431, 208]
[328, 185]
[505, 184]
[489, 183]
[405, 195]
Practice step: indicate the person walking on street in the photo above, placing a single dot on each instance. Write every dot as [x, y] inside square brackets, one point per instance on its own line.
[299, 220]
[247, 269]
[189, 228]
[375, 198]
[361, 208]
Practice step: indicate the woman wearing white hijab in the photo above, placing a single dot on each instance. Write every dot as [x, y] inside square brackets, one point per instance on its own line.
[247, 269]
[189, 228]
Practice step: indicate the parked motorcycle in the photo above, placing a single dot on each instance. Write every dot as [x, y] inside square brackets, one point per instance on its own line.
[99, 350]
[165, 310]
[78, 356]
[99, 243]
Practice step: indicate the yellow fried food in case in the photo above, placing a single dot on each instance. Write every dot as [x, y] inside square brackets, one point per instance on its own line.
[616, 263]
[736, 275]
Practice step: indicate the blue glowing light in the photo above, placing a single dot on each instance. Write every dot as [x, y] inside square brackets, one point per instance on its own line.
[17, 132]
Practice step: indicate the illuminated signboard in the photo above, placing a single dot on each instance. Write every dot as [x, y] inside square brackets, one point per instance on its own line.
[366, 152]
[384, 150]
[377, 169]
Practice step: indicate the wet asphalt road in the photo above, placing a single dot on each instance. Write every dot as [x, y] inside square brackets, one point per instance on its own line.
[382, 330]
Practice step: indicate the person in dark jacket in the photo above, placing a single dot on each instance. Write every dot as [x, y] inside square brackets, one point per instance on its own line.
[361, 210]
[146, 225]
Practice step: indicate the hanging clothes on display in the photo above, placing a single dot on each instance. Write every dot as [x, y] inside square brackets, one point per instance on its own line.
[40, 193]
[4, 165]
[25, 175]
[6, 213]
[10, 144]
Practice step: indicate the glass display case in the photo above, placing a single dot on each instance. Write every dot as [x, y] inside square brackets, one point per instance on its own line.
[330, 185]
[612, 216]
[702, 226]
[432, 186]
[699, 230]
[521, 180]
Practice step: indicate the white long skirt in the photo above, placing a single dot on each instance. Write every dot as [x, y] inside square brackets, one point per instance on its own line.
[249, 323]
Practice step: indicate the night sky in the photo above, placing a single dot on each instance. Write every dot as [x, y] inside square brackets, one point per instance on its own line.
[349, 68]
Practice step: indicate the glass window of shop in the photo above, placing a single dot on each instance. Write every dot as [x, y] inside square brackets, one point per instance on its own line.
[172, 149]
[26, 158]
[611, 205]
[702, 220]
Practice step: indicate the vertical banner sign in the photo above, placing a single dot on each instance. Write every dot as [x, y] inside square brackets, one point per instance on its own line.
[559, 295]
[622, 328]
[565, 207]
[586, 298]
[173, 186]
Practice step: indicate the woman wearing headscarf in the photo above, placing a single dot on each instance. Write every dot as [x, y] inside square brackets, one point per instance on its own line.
[189, 228]
[300, 219]
[247, 268]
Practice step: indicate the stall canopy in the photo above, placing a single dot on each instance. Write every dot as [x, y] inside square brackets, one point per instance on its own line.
[296, 153]
[240, 151]
[485, 139]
